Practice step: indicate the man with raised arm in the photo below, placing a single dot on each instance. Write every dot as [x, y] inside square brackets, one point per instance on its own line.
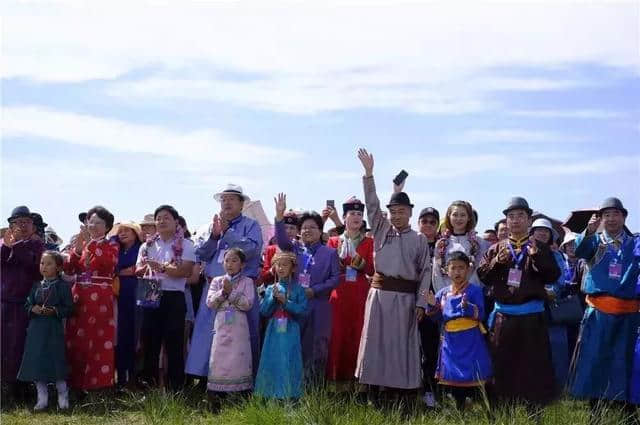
[389, 354]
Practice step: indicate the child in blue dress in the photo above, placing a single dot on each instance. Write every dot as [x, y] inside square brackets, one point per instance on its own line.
[284, 303]
[463, 362]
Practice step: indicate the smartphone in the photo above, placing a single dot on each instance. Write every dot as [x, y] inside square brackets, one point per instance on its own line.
[400, 178]
[331, 203]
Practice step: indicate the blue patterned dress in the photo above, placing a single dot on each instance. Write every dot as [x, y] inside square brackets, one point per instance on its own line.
[280, 372]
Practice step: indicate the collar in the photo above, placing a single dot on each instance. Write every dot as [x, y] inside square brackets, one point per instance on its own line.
[235, 277]
[313, 247]
[518, 243]
[460, 290]
[403, 231]
[617, 238]
[236, 220]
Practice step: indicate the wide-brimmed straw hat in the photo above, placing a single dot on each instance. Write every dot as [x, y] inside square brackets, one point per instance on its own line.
[130, 225]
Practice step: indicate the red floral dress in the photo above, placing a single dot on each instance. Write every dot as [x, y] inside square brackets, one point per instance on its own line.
[90, 332]
[347, 306]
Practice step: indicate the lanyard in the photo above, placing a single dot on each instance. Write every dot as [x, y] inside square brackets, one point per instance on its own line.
[617, 255]
[570, 271]
[308, 259]
[518, 259]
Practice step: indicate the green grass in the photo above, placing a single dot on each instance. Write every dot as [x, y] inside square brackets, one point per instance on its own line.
[317, 408]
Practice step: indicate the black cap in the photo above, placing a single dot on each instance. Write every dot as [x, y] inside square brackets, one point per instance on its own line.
[38, 221]
[517, 203]
[429, 211]
[614, 203]
[352, 206]
[21, 211]
[82, 217]
[399, 198]
[290, 218]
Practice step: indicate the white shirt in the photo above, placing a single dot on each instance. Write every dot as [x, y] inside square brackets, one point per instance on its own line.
[162, 252]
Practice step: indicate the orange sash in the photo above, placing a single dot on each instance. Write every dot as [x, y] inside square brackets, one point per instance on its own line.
[612, 305]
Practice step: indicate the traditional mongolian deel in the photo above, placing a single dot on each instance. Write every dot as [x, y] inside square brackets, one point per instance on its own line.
[231, 363]
[280, 373]
[44, 351]
[389, 353]
[604, 356]
[243, 233]
[522, 362]
[18, 271]
[347, 302]
[464, 357]
[90, 333]
[320, 265]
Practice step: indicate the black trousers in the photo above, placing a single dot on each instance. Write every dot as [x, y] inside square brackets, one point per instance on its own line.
[430, 341]
[165, 324]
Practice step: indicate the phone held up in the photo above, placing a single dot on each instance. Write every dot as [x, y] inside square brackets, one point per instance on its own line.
[400, 178]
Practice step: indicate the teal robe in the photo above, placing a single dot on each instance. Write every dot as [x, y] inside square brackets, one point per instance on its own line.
[44, 350]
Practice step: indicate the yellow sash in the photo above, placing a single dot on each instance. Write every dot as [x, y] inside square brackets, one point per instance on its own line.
[463, 324]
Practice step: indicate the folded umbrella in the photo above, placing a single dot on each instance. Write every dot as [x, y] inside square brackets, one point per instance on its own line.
[578, 220]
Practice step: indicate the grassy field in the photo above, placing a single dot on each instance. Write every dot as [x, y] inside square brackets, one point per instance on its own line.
[315, 408]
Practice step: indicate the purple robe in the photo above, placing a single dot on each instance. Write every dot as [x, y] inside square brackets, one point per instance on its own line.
[19, 270]
[323, 266]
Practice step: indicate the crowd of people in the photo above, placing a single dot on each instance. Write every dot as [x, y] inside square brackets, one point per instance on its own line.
[523, 312]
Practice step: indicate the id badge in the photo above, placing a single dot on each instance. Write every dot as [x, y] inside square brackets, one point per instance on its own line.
[615, 270]
[515, 276]
[351, 274]
[221, 255]
[228, 316]
[281, 325]
[304, 279]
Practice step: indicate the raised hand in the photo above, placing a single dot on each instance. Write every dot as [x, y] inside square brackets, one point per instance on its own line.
[280, 297]
[216, 226]
[431, 298]
[326, 212]
[594, 223]
[464, 302]
[399, 187]
[504, 255]
[281, 205]
[367, 161]
[8, 239]
[533, 247]
[226, 286]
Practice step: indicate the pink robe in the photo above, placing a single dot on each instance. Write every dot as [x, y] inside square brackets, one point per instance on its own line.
[230, 363]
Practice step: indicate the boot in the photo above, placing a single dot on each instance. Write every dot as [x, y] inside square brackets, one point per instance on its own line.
[63, 395]
[43, 397]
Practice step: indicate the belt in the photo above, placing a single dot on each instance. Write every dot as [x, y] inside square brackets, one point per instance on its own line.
[613, 305]
[463, 324]
[387, 283]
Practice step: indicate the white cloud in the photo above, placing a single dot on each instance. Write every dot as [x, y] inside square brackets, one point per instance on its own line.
[546, 164]
[514, 135]
[423, 58]
[307, 94]
[78, 40]
[569, 114]
[207, 147]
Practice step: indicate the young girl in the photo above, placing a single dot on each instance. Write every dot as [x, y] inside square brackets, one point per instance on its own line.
[230, 362]
[457, 235]
[464, 362]
[284, 303]
[44, 353]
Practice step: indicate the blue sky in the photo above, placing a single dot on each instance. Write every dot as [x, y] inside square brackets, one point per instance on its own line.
[131, 105]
